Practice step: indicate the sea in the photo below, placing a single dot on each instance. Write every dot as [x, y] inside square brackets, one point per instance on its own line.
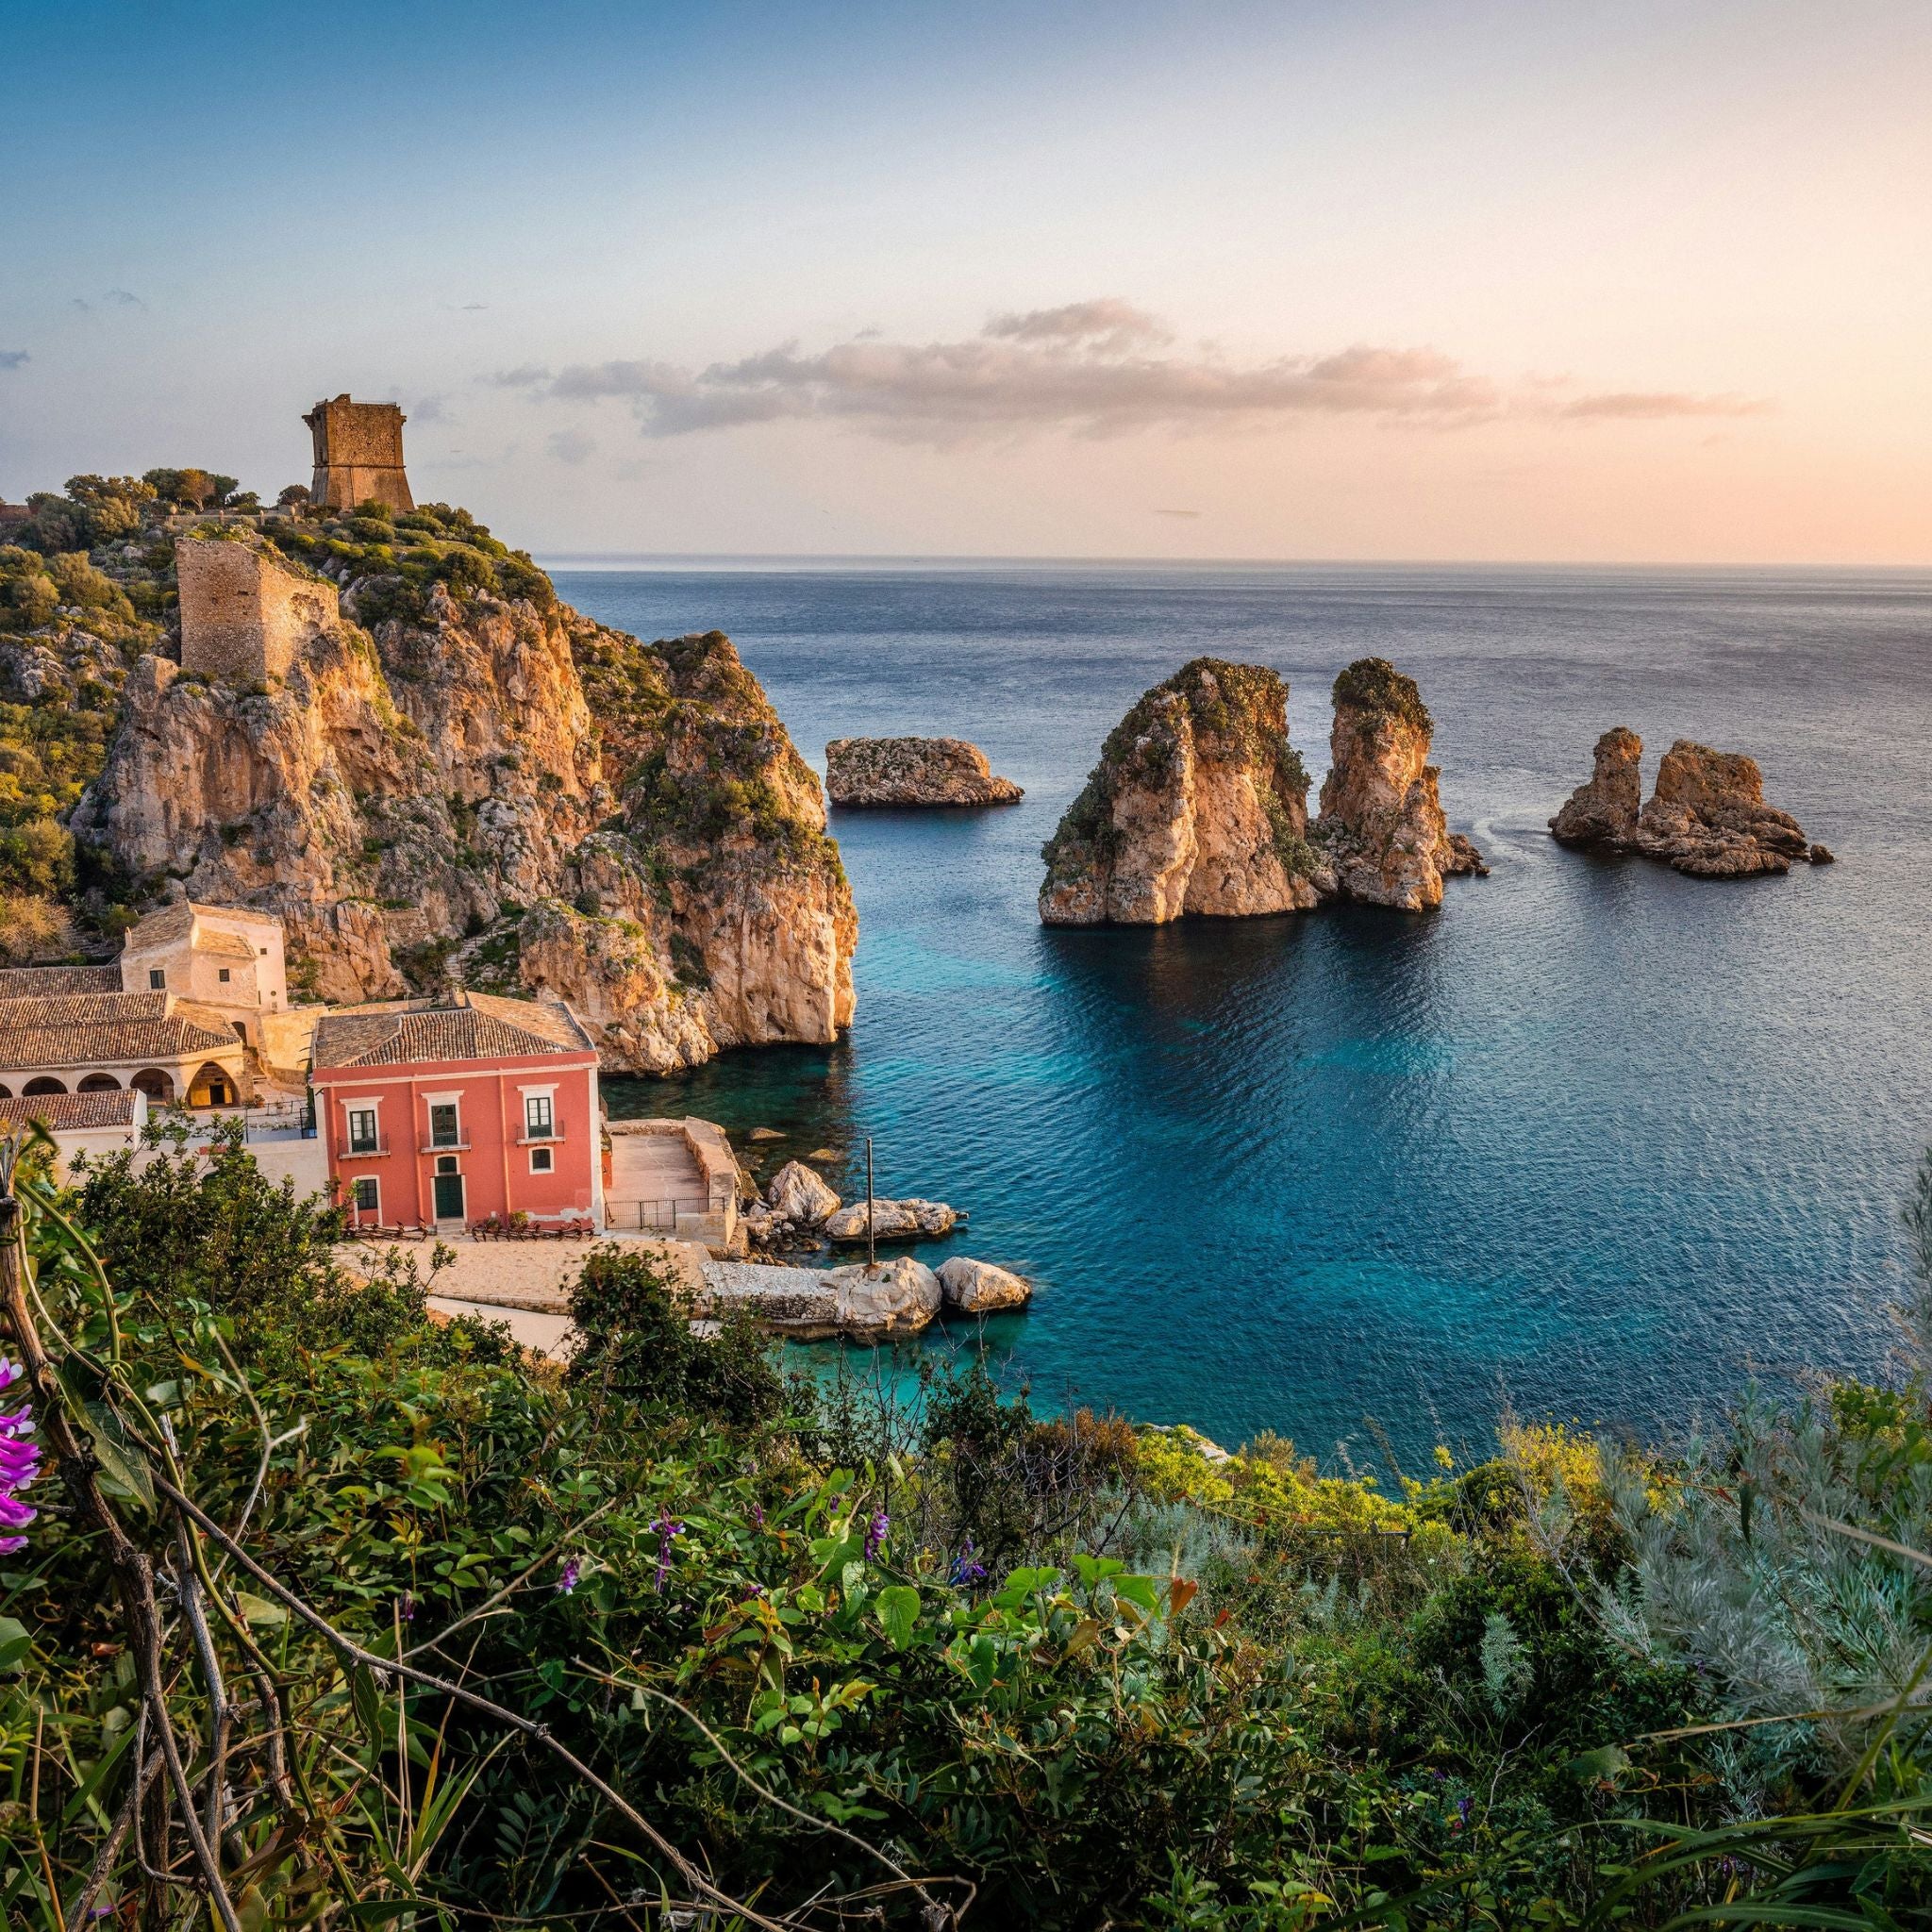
[1595, 1143]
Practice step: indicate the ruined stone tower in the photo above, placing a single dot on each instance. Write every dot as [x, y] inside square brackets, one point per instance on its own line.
[359, 454]
[244, 615]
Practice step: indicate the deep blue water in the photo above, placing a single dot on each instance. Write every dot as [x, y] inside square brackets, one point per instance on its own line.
[1595, 1140]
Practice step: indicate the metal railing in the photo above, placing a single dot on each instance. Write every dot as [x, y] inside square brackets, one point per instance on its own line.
[362, 1149]
[654, 1217]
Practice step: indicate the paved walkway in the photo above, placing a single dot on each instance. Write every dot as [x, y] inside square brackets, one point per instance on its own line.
[654, 1170]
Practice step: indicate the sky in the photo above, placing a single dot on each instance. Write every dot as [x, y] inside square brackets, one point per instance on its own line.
[1644, 281]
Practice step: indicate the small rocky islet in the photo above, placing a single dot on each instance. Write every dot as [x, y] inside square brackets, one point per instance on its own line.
[1199, 806]
[913, 772]
[1706, 814]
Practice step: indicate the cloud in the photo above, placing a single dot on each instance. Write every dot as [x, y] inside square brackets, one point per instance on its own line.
[1101, 367]
[122, 298]
[1178, 512]
[1107, 322]
[571, 445]
[12, 359]
[1654, 406]
[430, 408]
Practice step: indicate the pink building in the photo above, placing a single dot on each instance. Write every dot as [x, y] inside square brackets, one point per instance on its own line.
[444, 1111]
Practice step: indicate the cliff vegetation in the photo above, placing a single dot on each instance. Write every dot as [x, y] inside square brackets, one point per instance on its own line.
[331, 1615]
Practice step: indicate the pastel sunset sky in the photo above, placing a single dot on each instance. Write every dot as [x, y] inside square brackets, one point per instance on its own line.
[1514, 280]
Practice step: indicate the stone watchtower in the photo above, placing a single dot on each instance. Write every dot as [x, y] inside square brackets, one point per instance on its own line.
[244, 614]
[359, 454]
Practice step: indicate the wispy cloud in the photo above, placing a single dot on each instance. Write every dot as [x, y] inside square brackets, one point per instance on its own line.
[430, 408]
[1096, 368]
[1178, 512]
[122, 298]
[13, 358]
[571, 445]
[1653, 405]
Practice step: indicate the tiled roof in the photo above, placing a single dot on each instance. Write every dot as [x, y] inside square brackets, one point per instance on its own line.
[458, 1027]
[29, 982]
[169, 923]
[58, 1112]
[106, 1029]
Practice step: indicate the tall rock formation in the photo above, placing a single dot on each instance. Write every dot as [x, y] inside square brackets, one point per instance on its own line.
[1198, 804]
[1603, 809]
[468, 767]
[1381, 827]
[1706, 814]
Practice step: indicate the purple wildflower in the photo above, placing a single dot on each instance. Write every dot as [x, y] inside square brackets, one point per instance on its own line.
[965, 1568]
[669, 1529]
[406, 1606]
[20, 1463]
[758, 1514]
[875, 1534]
[1464, 1808]
[567, 1577]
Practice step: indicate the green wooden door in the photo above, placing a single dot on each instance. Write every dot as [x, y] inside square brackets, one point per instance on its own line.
[449, 1197]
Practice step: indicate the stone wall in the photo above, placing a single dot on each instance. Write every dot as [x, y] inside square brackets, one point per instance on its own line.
[244, 615]
[359, 454]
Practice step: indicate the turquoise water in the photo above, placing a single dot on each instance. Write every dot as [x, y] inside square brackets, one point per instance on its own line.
[1595, 1140]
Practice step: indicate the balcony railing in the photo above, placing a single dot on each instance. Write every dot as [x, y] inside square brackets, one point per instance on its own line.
[445, 1147]
[362, 1149]
[538, 1137]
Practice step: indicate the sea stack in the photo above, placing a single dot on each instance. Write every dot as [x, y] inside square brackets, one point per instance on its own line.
[1381, 827]
[1603, 809]
[913, 772]
[1706, 814]
[1198, 806]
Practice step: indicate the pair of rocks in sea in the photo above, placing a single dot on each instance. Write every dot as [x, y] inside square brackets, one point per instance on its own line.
[1199, 806]
[877, 1302]
[1706, 814]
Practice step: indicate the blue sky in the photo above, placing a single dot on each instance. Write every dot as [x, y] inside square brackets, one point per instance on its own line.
[1484, 280]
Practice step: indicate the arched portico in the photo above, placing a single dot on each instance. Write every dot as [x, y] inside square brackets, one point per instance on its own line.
[99, 1083]
[44, 1083]
[155, 1082]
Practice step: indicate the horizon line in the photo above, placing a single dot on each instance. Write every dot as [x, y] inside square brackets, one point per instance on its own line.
[668, 559]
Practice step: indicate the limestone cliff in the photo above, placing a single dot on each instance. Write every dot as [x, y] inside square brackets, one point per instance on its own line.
[467, 774]
[1706, 814]
[1603, 809]
[1381, 827]
[913, 772]
[1198, 804]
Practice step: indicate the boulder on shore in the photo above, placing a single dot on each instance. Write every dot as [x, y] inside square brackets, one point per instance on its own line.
[797, 1194]
[1197, 807]
[896, 1297]
[892, 1221]
[913, 771]
[1381, 829]
[977, 1288]
[1603, 809]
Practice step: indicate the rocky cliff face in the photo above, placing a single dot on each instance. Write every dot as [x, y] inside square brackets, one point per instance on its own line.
[1199, 805]
[1602, 810]
[1381, 829]
[913, 772]
[1706, 814]
[500, 779]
